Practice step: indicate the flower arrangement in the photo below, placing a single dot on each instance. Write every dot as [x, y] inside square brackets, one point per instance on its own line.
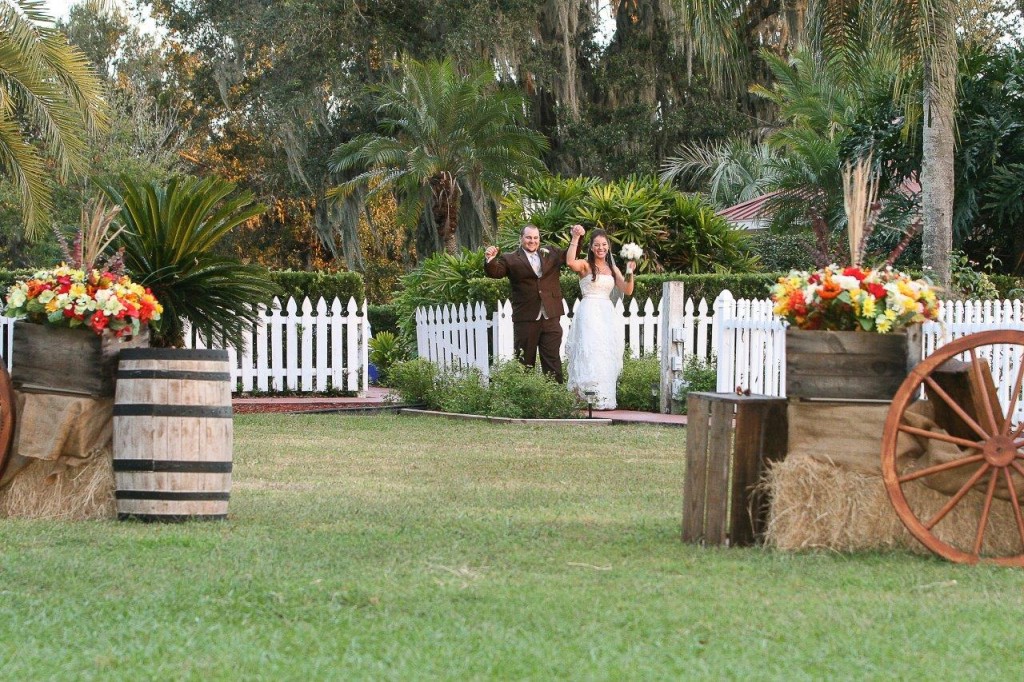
[630, 253]
[854, 298]
[98, 300]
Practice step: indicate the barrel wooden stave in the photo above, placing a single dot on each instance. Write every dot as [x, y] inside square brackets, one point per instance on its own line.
[150, 450]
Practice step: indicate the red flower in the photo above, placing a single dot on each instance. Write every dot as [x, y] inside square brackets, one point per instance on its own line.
[98, 322]
[875, 289]
[855, 272]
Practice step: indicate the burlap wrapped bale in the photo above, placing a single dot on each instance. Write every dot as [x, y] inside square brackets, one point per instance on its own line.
[61, 461]
[828, 491]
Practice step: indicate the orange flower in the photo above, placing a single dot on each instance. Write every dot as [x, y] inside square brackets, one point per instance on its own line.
[829, 290]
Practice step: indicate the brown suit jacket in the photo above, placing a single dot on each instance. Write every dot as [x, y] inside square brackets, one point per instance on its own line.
[530, 292]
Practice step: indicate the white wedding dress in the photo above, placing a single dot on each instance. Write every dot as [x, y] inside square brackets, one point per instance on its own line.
[595, 344]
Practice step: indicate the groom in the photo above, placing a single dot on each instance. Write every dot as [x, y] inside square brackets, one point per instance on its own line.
[536, 297]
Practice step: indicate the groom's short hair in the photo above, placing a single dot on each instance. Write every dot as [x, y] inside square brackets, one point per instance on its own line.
[526, 227]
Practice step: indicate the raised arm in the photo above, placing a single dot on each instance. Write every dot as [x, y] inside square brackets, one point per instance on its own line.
[494, 267]
[625, 284]
[577, 265]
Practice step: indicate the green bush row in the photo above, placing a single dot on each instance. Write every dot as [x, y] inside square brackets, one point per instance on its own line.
[317, 284]
[513, 391]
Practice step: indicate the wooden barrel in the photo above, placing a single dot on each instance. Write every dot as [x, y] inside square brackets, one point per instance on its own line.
[172, 434]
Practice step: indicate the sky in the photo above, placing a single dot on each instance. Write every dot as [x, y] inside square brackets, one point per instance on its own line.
[59, 8]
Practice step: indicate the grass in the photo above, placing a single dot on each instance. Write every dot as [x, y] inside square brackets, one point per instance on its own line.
[391, 547]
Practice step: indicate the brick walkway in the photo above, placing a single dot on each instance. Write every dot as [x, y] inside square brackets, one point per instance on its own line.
[375, 397]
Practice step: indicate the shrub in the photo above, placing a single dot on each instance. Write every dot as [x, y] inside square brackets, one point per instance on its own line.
[514, 391]
[463, 391]
[385, 350]
[674, 229]
[784, 252]
[699, 375]
[519, 392]
[383, 318]
[634, 388]
[414, 381]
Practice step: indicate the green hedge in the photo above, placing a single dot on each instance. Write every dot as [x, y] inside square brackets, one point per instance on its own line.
[1007, 284]
[9, 277]
[383, 318]
[317, 284]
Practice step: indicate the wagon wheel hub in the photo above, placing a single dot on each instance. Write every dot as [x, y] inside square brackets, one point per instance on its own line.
[1000, 451]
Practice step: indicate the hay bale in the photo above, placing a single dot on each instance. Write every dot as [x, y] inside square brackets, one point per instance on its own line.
[815, 505]
[51, 490]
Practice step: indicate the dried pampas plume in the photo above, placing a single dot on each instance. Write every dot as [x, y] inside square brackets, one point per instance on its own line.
[860, 200]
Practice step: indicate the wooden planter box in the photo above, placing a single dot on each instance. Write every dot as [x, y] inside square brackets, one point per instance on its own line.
[63, 360]
[849, 365]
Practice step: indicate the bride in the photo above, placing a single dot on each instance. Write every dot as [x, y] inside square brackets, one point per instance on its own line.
[596, 341]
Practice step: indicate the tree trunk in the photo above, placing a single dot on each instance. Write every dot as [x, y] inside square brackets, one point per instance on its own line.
[447, 201]
[937, 168]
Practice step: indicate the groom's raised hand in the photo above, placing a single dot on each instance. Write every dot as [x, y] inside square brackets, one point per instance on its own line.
[490, 253]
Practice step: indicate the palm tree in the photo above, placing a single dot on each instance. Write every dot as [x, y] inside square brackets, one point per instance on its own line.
[924, 29]
[728, 171]
[51, 101]
[441, 131]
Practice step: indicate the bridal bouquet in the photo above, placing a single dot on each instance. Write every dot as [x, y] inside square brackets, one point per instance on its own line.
[631, 252]
[854, 298]
[69, 297]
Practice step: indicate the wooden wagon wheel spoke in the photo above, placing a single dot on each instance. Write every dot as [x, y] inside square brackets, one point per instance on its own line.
[955, 406]
[928, 471]
[941, 435]
[1017, 515]
[966, 402]
[981, 389]
[953, 501]
[979, 538]
[1014, 394]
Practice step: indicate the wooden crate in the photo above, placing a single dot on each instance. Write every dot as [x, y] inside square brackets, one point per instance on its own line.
[729, 439]
[63, 360]
[849, 365]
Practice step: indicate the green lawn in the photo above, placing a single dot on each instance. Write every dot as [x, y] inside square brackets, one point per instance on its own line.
[392, 547]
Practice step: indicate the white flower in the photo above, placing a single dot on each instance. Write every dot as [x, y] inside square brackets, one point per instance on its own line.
[631, 251]
[545, 251]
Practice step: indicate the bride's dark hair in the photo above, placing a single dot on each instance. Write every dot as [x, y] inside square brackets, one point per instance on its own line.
[591, 259]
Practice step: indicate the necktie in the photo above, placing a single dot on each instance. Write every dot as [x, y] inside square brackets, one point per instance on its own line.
[535, 262]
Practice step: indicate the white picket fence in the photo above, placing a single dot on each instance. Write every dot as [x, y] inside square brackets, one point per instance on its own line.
[470, 336]
[745, 337]
[295, 347]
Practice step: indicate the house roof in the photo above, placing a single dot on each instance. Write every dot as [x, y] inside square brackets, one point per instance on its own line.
[752, 209]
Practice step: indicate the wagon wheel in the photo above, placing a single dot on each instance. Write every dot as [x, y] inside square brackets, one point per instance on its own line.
[988, 437]
[6, 417]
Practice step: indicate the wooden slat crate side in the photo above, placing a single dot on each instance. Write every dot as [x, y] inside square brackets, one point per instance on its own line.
[720, 455]
[695, 481]
[849, 365]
